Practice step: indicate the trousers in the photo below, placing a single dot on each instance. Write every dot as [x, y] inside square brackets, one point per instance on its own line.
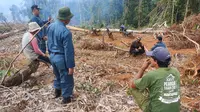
[63, 81]
[141, 98]
[137, 52]
[44, 59]
[42, 45]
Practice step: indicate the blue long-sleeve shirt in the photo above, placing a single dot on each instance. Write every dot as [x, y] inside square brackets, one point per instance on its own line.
[40, 22]
[60, 41]
[158, 44]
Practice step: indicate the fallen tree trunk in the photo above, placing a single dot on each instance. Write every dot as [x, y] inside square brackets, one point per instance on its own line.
[77, 29]
[146, 31]
[22, 75]
[5, 35]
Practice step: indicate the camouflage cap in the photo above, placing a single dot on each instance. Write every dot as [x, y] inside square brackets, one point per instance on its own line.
[64, 14]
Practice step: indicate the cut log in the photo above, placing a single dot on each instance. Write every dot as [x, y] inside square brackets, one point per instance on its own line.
[22, 75]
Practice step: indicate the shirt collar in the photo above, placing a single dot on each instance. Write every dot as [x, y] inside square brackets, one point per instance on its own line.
[36, 15]
[160, 42]
[59, 22]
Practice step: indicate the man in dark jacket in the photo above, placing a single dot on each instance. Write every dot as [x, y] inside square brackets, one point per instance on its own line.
[137, 48]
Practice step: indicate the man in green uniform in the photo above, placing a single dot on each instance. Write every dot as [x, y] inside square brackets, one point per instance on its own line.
[157, 90]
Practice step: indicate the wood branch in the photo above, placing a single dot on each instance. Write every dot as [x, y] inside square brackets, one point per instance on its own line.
[196, 44]
[125, 43]
[8, 89]
[18, 107]
[112, 46]
[21, 52]
[174, 34]
[118, 48]
[21, 76]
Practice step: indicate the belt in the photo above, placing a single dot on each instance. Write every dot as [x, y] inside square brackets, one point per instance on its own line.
[57, 53]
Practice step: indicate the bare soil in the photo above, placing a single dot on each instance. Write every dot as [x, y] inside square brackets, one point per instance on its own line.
[101, 77]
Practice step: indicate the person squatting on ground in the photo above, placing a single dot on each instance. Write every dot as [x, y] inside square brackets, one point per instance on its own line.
[159, 43]
[32, 51]
[157, 90]
[136, 47]
[61, 52]
[42, 34]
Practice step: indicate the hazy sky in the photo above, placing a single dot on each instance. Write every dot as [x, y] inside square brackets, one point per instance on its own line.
[6, 4]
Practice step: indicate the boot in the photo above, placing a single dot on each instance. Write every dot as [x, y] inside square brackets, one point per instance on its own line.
[66, 100]
[57, 93]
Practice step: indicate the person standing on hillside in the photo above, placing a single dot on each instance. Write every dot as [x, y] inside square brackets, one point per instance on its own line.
[42, 34]
[157, 90]
[61, 50]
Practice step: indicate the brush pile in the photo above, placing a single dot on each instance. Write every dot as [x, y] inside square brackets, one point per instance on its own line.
[186, 35]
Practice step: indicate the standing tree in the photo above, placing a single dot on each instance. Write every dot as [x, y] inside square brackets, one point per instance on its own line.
[15, 11]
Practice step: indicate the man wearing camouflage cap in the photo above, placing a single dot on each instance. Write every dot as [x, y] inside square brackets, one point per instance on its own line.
[61, 52]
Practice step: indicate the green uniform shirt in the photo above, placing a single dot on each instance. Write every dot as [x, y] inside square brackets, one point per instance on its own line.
[164, 88]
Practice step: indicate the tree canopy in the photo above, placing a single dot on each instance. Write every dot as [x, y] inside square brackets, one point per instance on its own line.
[99, 13]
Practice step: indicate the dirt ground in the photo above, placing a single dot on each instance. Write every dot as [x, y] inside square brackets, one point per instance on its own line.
[101, 77]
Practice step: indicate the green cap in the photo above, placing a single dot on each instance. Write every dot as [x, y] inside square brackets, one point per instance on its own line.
[64, 14]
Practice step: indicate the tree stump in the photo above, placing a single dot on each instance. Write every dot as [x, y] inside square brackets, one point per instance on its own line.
[110, 35]
[95, 32]
[22, 75]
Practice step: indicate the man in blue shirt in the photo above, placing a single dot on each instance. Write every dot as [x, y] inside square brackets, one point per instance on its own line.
[42, 34]
[160, 43]
[122, 27]
[61, 52]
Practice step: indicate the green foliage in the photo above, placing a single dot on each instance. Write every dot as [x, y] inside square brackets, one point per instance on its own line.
[2, 72]
[88, 87]
[113, 13]
[194, 82]
[4, 29]
[157, 11]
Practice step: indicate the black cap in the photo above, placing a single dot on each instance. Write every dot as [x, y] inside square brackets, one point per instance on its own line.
[159, 38]
[35, 7]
